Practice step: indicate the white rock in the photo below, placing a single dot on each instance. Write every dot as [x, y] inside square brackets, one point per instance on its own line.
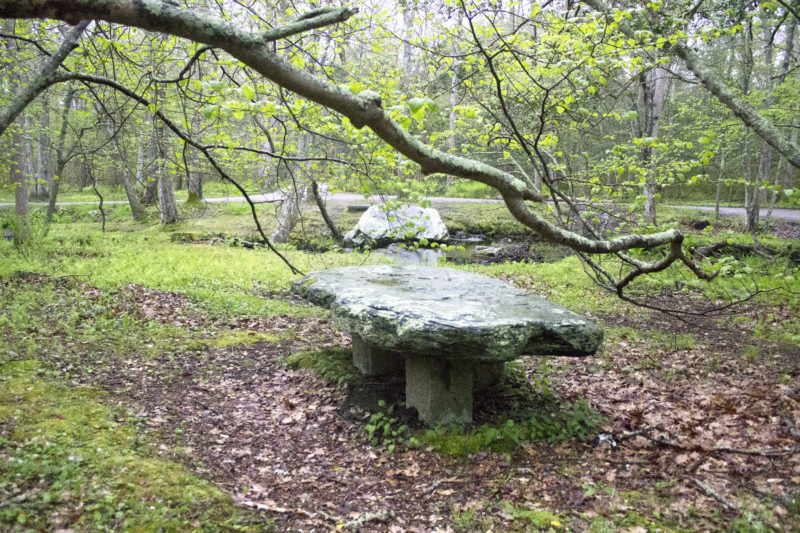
[379, 226]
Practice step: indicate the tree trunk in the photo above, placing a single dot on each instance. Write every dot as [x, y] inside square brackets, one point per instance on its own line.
[140, 166]
[133, 196]
[290, 214]
[20, 184]
[60, 159]
[653, 86]
[323, 210]
[16, 167]
[783, 177]
[765, 162]
[407, 49]
[166, 197]
[775, 190]
[168, 207]
[125, 174]
[43, 159]
[290, 211]
[151, 182]
[194, 186]
[763, 176]
[719, 186]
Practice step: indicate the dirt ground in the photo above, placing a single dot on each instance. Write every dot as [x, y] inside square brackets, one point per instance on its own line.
[702, 436]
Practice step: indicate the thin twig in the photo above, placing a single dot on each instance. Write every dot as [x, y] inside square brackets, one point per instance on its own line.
[709, 491]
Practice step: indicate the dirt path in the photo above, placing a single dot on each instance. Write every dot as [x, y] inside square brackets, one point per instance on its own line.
[781, 214]
[777, 213]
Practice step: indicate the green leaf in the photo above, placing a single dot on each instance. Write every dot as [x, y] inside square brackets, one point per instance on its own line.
[415, 104]
[210, 110]
[248, 92]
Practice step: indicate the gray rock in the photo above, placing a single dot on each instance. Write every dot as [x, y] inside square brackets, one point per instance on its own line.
[489, 251]
[450, 313]
[379, 226]
[452, 329]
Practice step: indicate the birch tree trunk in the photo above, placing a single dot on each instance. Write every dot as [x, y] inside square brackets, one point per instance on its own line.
[653, 86]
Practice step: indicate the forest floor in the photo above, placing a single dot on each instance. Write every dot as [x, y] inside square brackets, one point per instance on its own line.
[699, 418]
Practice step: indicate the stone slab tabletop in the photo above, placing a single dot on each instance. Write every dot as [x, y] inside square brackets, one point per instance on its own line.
[445, 313]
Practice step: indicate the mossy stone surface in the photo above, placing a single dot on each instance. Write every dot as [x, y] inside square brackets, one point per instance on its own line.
[446, 313]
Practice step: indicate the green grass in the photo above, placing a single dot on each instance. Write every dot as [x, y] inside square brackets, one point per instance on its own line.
[68, 461]
[557, 424]
[219, 279]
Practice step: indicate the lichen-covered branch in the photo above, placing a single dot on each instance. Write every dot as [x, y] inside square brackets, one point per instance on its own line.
[363, 109]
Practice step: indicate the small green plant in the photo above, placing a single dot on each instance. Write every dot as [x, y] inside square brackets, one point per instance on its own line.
[334, 365]
[463, 518]
[579, 421]
[541, 519]
[384, 429]
[674, 342]
[751, 353]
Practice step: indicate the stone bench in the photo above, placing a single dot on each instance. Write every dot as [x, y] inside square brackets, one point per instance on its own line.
[453, 331]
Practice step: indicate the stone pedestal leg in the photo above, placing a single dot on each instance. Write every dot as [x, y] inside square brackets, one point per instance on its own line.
[439, 389]
[374, 361]
[487, 374]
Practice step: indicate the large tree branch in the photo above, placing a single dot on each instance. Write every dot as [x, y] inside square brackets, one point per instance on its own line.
[42, 80]
[364, 109]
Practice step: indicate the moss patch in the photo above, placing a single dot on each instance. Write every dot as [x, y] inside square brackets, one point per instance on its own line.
[71, 462]
[334, 365]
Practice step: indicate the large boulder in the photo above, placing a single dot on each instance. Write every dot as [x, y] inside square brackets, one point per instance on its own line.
[379, 226]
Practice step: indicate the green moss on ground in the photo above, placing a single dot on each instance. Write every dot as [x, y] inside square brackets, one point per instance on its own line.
[68, 461]
[334, 365]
